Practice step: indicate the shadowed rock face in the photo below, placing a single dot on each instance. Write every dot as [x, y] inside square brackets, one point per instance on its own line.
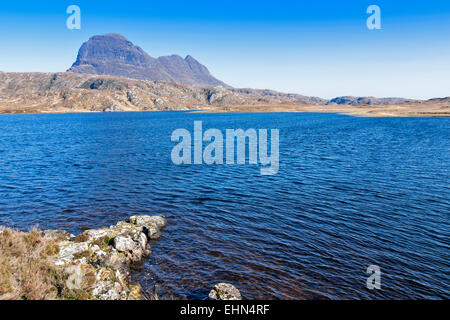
[112, 54]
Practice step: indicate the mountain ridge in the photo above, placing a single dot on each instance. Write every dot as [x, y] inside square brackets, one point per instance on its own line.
[113, 54]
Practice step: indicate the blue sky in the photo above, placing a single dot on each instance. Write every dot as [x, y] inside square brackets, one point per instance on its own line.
[319, 48]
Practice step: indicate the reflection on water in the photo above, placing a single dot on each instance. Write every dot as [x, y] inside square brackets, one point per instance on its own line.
[350, 192]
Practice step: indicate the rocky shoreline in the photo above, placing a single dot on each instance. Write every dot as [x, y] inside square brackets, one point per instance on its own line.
[95, 264]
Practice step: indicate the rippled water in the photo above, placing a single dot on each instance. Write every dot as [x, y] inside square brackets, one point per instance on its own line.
[350, 192]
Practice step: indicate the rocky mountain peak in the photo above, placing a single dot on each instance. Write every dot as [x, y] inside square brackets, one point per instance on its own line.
[113, 54]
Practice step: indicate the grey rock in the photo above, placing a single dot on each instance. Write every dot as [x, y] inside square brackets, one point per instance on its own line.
[109, 290]
[146, 221]
[224, 291]
[124, 244]
[152, 224]
[141, 238]
[153, 232]
[99, 261]
[94, 234]
[68, 250]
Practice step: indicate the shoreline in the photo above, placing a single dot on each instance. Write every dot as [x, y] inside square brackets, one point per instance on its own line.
[97, 264]
[94, 265]
[424, 110]
[393, 110]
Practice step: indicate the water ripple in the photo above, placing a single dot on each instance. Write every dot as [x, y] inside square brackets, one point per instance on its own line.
[350, 192]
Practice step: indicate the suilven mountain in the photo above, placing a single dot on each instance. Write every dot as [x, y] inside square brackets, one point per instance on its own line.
[112, 54]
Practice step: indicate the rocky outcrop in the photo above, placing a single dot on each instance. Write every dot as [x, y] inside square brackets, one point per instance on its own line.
[112, 54]
[97, 262]
[225, 291]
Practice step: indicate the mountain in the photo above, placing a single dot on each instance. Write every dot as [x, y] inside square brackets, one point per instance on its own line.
[112, 54]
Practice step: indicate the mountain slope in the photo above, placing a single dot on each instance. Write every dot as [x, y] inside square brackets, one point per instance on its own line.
[112, 54]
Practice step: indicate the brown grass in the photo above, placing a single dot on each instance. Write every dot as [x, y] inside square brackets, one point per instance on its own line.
[27, 271]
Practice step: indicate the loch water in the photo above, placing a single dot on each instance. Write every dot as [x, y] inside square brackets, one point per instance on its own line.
[350, 192]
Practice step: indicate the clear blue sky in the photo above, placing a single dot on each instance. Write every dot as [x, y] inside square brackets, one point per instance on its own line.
[320, 48]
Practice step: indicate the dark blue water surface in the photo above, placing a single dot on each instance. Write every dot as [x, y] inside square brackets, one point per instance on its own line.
[350, 192]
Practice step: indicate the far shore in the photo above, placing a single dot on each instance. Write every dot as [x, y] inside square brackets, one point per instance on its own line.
[426, 109]
[394, 110]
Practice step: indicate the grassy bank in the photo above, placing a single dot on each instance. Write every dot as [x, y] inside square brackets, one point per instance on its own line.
[27, 269]
[54, 264]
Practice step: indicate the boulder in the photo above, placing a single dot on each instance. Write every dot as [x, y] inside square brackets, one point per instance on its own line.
[225, 291]
[148, 221]
[153, 233]
[124, 244]
[141, 238]
[93, 234]
[68, 251]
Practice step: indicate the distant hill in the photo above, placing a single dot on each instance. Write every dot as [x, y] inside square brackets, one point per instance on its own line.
[367, 100]
[112, 54]
[271, 96]
[440, 100]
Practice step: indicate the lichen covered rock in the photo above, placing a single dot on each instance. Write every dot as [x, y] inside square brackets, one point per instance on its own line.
[225, 291]
[97, 262]
[148, 221]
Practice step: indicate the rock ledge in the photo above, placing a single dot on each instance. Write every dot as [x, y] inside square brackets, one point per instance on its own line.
[98, 261]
